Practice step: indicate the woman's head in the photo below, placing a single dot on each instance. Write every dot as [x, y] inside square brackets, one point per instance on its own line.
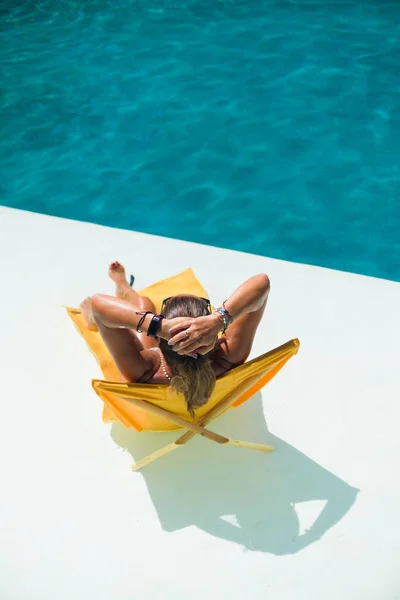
[192, 377]
[185, 305]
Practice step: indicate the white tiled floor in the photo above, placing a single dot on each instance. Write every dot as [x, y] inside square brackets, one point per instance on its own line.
[317, 519]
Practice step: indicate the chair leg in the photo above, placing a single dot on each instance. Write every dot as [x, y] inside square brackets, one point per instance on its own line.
[153, 456]
[173, 446]
[251, 445]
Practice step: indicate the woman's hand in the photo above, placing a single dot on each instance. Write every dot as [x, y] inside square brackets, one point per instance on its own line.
[168, 324]
[194, 335]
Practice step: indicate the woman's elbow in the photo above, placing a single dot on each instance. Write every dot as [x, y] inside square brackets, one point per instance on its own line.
[97, 304]
[264, 283]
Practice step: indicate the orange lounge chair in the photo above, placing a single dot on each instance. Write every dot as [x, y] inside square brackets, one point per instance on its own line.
[149, 407]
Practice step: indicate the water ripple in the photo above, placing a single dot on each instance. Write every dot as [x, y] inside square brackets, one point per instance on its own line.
[270, 127]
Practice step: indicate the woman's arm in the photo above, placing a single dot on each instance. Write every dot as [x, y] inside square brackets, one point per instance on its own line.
[120, 314]
[246, 306]
[249, 297]
[115, 319]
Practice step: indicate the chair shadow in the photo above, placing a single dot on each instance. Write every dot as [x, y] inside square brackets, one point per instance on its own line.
[240, 495]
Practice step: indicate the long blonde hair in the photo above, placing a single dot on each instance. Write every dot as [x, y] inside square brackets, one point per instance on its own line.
[192, 377]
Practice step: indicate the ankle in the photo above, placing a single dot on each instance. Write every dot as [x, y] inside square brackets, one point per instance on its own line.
[123, 291]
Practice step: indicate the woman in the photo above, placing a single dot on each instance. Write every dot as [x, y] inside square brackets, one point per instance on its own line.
[180, 346]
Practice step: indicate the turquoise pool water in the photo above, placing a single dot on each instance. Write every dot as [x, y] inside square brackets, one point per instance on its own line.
[268, 127]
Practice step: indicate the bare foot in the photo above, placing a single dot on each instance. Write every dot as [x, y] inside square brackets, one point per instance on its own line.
[86, 310]
[116, 272]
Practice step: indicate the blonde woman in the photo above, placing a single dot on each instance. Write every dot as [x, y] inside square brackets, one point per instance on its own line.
[180, 346]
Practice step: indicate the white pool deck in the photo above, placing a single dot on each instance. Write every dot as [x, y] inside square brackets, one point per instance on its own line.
[319, 518]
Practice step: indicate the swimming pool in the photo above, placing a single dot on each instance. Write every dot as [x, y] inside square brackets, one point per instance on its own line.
[267, 127]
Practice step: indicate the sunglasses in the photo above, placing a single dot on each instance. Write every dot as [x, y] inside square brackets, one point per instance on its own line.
[206, 300]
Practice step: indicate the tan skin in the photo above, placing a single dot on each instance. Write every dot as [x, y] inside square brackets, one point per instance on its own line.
[116, 320]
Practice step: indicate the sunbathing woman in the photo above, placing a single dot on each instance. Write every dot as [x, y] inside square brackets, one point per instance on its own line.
[181, 346]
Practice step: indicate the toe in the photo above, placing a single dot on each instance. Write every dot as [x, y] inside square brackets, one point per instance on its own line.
[117, 267]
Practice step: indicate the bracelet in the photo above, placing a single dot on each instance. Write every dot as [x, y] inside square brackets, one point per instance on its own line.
[228, 314]
[138, 326]
[154, 326]
[223, 318]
